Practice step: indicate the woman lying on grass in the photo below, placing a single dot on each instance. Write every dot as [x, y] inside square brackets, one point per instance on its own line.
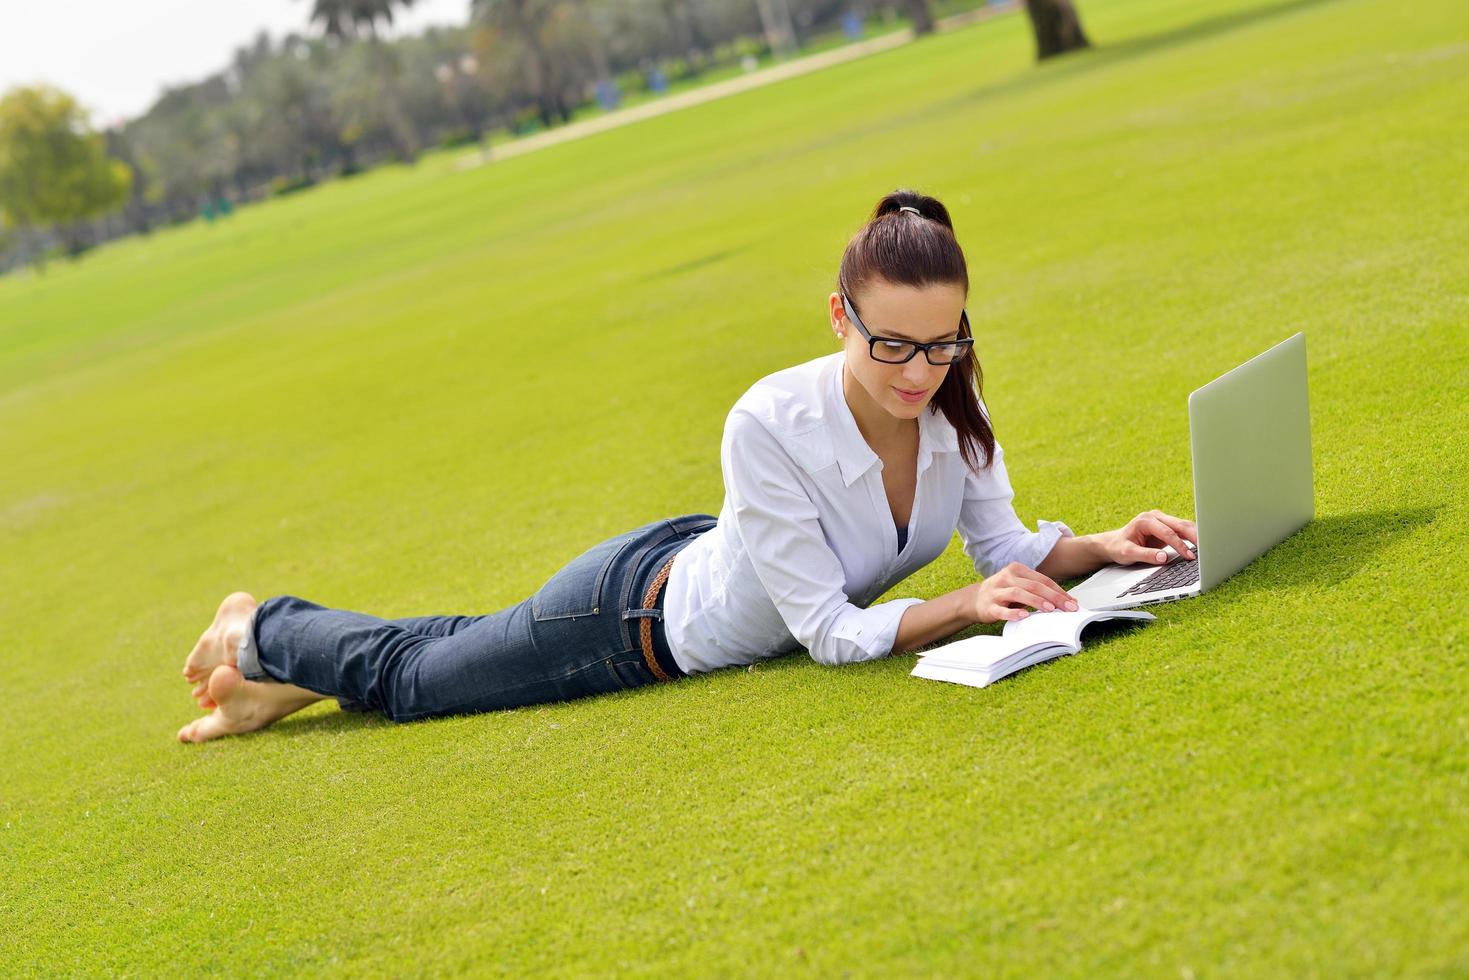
[842, 476]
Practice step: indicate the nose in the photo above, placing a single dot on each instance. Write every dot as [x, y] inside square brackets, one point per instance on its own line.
[917, 373]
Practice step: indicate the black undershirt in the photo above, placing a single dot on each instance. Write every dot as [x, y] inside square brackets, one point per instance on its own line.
[902, 537]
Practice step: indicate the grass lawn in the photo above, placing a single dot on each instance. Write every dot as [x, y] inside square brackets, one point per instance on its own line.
[423, 390]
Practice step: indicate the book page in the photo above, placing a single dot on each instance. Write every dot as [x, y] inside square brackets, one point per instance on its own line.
[1063, 628]
[985, 651]
[955, 675]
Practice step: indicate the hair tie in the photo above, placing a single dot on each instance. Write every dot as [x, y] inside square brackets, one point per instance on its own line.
[914, 210]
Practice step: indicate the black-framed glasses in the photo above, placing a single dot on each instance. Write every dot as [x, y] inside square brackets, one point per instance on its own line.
[891, 350]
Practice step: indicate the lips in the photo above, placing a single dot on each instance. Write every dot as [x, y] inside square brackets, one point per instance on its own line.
[911, 396]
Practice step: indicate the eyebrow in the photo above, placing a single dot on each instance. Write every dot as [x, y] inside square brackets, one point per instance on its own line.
[951, 335]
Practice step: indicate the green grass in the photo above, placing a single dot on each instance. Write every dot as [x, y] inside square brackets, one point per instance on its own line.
[423, 390]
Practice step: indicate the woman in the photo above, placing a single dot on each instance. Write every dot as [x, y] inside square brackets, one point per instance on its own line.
[842, 476]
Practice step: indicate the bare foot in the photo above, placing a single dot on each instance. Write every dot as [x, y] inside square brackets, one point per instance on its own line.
[244, 706]
[217, 645]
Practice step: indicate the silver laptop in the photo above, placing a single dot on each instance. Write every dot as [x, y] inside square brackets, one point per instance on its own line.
[1250, 434]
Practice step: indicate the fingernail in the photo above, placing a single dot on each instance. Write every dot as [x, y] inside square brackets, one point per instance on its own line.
[1162, 556]
[1071, 606]
[1047, 606]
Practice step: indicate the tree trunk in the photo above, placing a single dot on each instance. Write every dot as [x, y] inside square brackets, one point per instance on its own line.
[697, 36]
[1057, 27]
[538, 63]
[72, 240]
[32, 251]
[780, 30]
[402, 132]
[919, 13]
[674, 12]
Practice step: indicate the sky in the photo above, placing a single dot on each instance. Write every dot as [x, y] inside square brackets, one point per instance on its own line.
[116, 56]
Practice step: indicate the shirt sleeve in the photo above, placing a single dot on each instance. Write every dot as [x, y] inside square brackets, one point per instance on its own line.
[779, 527]
[993, 536]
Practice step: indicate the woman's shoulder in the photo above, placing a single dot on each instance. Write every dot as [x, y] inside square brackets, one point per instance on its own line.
[792, 399]
[790, 409]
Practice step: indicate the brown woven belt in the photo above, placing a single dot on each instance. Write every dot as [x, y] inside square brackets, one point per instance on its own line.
[645, 625]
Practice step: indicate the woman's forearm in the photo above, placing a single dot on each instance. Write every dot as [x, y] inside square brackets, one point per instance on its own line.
[1071, 557]
[942, 617]
[937, 618]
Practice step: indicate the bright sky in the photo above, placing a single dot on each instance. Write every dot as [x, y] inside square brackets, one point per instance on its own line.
[116, 56]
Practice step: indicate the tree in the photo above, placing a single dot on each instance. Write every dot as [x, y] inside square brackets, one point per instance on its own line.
[292, 125]
[53, 169]
[348, 20]
[355, 18]
[535, 25]
[684, 22]
[447, 83]
[780, 29]
[183, 153]
[920, 14]
[1057, 27]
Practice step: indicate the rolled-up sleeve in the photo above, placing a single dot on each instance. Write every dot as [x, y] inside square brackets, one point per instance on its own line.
[779, 528]
[993, 536]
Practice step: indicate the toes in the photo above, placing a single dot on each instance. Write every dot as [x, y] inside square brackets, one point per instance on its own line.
[196, 675]
[201, 660]
[218, 643]
[224, 682]
[206, 728]
[201, 695]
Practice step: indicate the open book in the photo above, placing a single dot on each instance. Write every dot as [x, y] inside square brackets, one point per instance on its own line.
[1041, 636]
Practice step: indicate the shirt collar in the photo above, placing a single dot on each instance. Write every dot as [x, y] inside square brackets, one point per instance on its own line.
[854, 456]
[935, 435]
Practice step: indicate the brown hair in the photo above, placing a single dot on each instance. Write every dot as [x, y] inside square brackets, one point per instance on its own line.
[906, 249]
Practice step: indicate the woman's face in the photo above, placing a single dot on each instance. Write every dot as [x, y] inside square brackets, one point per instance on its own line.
[924, 314]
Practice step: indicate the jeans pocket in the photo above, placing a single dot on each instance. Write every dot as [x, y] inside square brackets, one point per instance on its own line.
[628, 670]
[576, 590]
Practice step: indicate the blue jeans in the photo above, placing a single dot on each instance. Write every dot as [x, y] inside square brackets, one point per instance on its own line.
[576, 636]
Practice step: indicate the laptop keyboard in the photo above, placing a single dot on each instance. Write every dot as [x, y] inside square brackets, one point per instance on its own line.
[1177, 573]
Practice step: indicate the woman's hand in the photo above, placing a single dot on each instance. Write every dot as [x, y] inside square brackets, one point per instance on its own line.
[1143, 537]
[1006, 595]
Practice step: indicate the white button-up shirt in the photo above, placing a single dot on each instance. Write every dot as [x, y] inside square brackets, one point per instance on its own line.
[806, 539]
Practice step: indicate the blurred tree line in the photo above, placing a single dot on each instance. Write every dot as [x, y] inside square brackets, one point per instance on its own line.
[53, 169]
[341, 96]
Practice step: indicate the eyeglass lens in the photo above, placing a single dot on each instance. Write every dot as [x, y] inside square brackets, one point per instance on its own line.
[898, 351]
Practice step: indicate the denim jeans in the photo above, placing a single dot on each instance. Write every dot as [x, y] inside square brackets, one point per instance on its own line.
[576, 636]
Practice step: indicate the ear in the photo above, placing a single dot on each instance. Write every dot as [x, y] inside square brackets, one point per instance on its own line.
[836, 315]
